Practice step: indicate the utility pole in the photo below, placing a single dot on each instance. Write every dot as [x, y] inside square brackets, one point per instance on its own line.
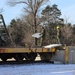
[35, 28]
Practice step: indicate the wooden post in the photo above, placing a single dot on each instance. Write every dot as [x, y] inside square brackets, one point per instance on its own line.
[66, 54]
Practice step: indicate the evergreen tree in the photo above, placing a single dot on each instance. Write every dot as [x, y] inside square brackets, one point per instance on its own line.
[51, 19]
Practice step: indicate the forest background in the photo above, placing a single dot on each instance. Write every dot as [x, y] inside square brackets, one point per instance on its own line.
[38, 14]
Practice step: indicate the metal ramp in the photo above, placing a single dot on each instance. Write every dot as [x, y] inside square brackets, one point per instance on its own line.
[5, 37]
[3, 29]
[3, 32]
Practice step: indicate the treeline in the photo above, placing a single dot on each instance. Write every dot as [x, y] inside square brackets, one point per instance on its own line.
[21, 29]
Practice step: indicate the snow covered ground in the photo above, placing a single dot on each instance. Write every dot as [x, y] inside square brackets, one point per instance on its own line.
[37, 69]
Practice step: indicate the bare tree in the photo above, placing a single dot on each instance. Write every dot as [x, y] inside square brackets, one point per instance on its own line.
[31, 6]
[67, 19]
[67, 33]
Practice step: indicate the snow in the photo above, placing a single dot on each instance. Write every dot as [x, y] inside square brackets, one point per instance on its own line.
[37, 69]
[52, 45]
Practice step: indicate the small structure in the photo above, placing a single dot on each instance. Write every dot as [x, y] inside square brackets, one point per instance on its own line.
[66, 56]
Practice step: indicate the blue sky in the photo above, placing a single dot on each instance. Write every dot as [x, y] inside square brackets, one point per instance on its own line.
[67, 8]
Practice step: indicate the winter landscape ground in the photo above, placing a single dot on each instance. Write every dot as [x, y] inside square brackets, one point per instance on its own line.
[37, 69]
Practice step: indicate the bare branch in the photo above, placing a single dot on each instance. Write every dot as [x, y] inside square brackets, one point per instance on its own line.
[15, 2]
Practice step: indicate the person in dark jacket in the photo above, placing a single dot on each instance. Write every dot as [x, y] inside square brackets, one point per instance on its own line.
[43, 36]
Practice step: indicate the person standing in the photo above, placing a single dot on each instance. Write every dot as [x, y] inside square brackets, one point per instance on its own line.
[58, 34]
[43, 36]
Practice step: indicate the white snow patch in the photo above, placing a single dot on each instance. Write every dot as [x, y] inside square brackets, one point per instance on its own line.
[37, 69]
